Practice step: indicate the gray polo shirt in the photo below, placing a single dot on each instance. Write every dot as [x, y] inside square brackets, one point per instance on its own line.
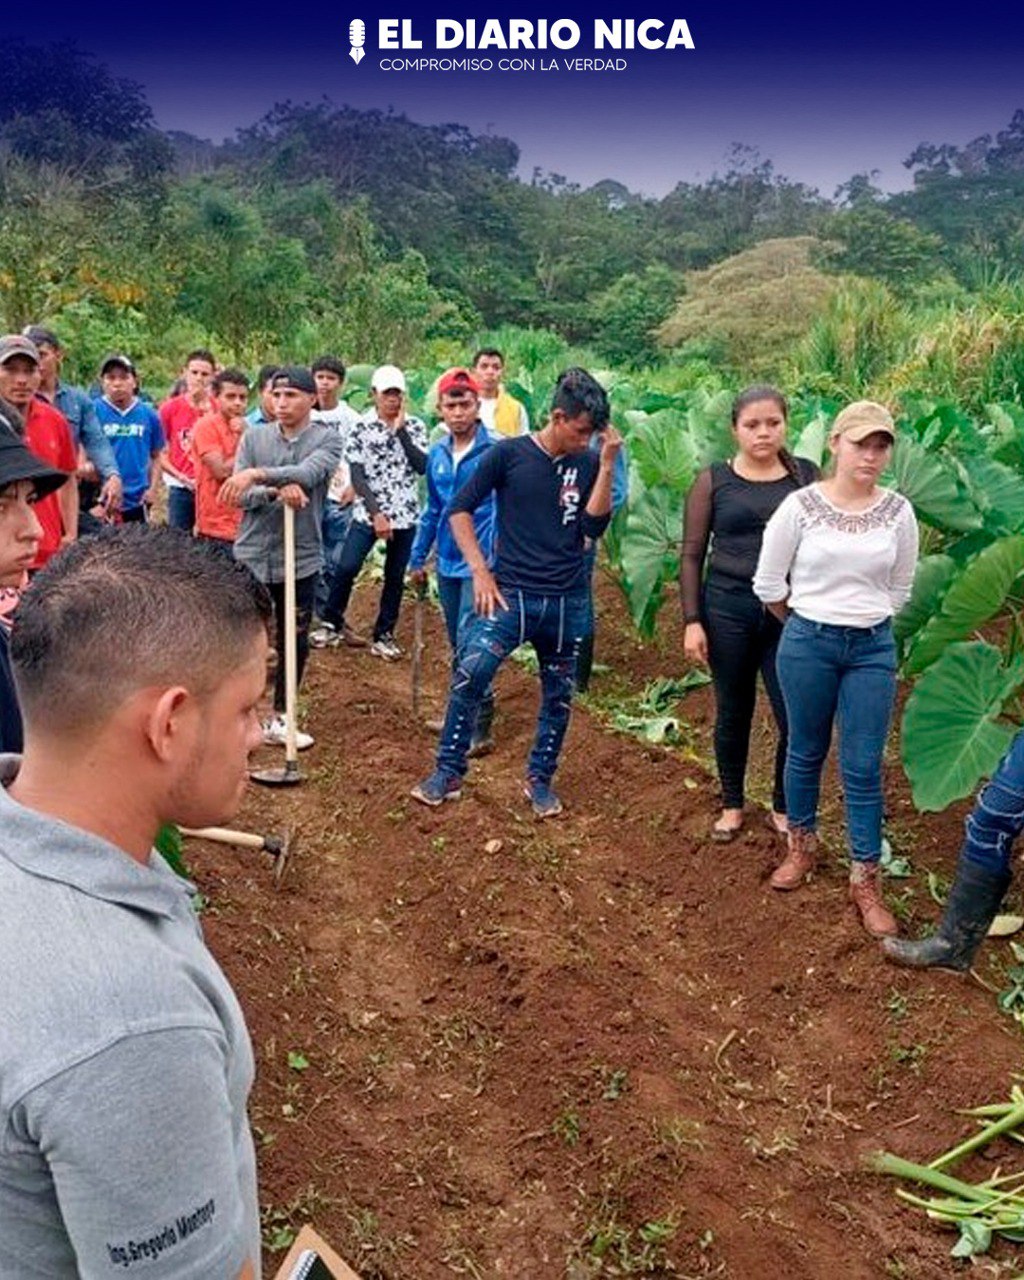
[125, 1067]
[308, 459]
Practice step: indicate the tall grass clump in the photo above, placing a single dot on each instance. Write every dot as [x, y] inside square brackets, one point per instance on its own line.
[864, 333]
[970, 354]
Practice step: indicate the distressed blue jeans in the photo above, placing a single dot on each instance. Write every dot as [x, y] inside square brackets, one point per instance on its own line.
[554, 625]
[845, 675]
[997, 818]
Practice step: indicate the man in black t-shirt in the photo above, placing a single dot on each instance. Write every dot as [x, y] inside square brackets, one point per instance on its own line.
[552, 492]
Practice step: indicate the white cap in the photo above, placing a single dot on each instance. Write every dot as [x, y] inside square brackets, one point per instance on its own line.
[388, 378]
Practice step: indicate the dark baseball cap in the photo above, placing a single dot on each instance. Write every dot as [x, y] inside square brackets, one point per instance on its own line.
[17, 462]
[16, 344]
[41, 336]
[118, 358]
[296, 376]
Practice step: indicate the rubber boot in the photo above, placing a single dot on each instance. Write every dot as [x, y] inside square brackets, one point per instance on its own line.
[971, 907]
[866, 896]
[483, 741]
[800, 859]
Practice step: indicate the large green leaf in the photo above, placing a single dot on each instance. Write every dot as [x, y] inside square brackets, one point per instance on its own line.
[708, 414]
[811, 444]
[952, 735]
[975, 594]
[931, 578]
[998, 492]
[661, 449]
[649, 551]
[931, 485]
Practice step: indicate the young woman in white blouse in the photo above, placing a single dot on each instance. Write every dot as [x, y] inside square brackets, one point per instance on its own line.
[837, 562]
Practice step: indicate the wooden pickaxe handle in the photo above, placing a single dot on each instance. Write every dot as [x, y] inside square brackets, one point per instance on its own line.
[224, 835]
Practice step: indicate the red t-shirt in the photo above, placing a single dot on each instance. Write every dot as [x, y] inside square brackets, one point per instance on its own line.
[213, 433]
[178, 416]
[48, 435]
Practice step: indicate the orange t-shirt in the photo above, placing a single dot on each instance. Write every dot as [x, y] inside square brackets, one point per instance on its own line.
[214, 433]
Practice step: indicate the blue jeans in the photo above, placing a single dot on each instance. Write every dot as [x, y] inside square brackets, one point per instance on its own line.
[997, 818]
[333, 527]
[554, 625]
[846, 674]
[456, 596]
[181, 508]
[585, 660]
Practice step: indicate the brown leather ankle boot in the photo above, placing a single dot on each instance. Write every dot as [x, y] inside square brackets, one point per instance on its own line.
[866, 895]
[801, 855]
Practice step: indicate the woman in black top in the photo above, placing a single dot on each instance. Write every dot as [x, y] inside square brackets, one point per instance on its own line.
[727, 627]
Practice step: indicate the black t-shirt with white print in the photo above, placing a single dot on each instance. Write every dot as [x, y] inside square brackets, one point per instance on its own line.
[542, 520]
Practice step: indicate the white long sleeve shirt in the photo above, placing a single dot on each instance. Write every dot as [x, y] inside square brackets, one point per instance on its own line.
[846, 568]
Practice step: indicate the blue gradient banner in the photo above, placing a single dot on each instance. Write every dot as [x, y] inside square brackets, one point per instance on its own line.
[646, 96]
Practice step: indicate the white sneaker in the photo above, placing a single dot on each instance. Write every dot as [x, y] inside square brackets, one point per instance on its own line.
[325, 636]
[275, 734]
[386, 648]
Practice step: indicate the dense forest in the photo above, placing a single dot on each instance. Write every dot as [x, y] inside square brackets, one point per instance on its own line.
[320, 226]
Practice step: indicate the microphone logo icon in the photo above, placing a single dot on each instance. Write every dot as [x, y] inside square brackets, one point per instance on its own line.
[356, 38]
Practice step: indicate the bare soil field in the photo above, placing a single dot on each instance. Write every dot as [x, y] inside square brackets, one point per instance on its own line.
[597, 1046]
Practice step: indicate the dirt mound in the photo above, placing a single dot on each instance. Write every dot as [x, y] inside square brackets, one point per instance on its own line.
[597, 1046]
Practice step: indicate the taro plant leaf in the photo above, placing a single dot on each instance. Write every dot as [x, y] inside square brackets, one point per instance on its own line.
[649, 551]
[708, 418]
[975, 1238]
[662, 452]
[976, 593]
[661, 693]
[952, 735]
[654, 729]
[811, 444]
[931, 578]
[931, 485]
[998, 491]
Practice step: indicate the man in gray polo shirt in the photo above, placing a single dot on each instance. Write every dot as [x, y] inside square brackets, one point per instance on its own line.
[140, 657]
[288, 462]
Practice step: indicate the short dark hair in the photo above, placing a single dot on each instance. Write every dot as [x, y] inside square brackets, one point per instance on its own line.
[130, 607]
[578, 392]
[752, 394]
[42, 336]
[488, 351]
[329, 364]
[201, 353]
[266, 374]
[235, 377]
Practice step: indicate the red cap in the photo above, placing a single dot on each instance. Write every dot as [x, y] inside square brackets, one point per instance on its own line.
[457, 380]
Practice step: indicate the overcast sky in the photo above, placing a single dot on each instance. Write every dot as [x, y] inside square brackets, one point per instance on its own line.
[823, 91]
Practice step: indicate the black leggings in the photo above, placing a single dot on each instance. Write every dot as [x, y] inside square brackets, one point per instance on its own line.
[742, 639]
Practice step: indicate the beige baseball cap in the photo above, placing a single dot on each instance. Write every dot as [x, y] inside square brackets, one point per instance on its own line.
[864, 418]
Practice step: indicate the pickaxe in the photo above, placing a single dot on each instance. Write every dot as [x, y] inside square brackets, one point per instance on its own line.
[279, 847]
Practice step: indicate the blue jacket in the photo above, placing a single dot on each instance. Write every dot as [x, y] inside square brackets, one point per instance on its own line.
[443, 480]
